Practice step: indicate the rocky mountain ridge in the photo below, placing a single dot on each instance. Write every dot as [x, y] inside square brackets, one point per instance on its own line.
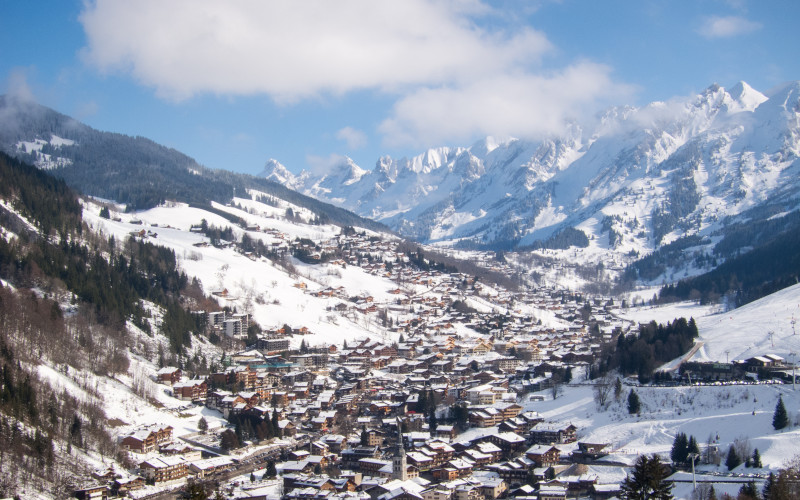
[635, 180]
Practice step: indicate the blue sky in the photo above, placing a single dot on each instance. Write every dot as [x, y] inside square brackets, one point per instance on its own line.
[235, 83]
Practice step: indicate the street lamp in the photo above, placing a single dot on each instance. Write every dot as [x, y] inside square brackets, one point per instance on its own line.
[694, 456]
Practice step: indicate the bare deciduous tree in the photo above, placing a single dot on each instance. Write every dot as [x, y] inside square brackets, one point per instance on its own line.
[603, 387]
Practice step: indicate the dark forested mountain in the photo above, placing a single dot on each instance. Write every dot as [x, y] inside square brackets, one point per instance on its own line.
[132, 170]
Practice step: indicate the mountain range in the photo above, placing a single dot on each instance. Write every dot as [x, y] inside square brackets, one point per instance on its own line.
[656, 193]
[633, 181]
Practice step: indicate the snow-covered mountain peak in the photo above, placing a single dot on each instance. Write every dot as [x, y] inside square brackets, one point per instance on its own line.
[747, 98]
[346, 172]
[274, 170]
[663, 170]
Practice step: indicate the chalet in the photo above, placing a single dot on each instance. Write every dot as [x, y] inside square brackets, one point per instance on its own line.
[485, 417]
[164, 469]
[553, 434]
[509, 442]
[606, 491]
[372, 466]
[422, 461]
[476, 457]
[169, 375]
[543, 455]
[179, 448]
[126, 483]
[552, 492]
[287, 428]
[513, 471]
[350, 457]
[93, 492]
[446, 431]
[210, 466]
[588, 452]
[147, 440]
[190, 390]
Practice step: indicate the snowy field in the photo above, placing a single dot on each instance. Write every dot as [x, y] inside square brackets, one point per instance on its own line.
[765, 326]
[718, 415]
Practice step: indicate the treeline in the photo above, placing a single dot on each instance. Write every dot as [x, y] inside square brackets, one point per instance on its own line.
[640, 354]
[114, 283]
[655, 264]
[562, 240]
[681, 201]
[113, 280]
[139, 172]
[39, 197]
[766, 269]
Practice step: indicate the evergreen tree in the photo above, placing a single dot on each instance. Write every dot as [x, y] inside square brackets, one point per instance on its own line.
[693, 446]
[680, 449]
[780, 418]
[202, 425]
[272, 471]
[433, 423]
[432, 420]
[460, 416]
[757, 459]
[648, 480]
[634, 405]
[748, 491]
[617, 389]
[422, 402]
[769, 486]
[733, 460]
[364, 438]
[276, 428]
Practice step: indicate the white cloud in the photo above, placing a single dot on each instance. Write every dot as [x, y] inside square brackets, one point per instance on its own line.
[321, 165]
[355, 139]
[453, 79]
[524, 105]
[725, 27]
[17, 87]
[298, 49]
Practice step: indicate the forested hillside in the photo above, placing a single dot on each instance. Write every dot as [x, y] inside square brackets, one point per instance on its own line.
[772, 265]
[133, 170]
[64, 303]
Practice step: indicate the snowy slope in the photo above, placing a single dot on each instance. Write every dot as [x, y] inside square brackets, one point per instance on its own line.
[764, 326]
[719, 415]
[260, 286]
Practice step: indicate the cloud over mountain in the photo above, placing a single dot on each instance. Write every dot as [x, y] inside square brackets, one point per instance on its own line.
[451, 73]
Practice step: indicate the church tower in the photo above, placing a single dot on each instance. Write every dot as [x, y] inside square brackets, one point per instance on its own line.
[399, 465]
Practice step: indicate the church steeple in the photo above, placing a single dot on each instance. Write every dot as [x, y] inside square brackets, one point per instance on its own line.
[399, 465]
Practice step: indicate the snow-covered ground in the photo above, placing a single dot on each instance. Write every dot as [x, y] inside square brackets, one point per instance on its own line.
[716, 414]
[765, 326]
[273, 296]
